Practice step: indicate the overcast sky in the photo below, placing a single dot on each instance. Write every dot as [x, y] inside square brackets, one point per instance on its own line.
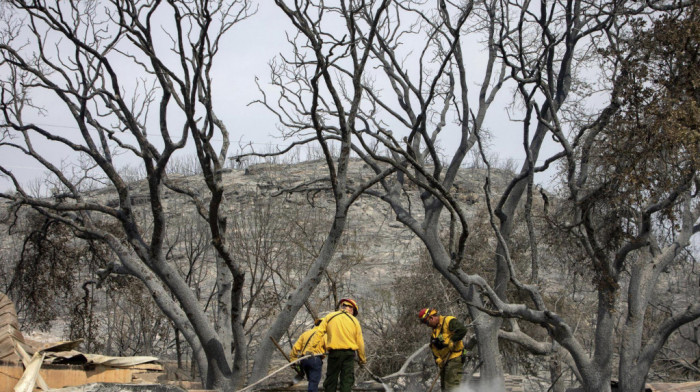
[245, 55]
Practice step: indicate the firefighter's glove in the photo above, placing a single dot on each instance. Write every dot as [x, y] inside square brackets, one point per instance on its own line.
[451, 346]
[297, 368]
[438, 362]
[438, 342]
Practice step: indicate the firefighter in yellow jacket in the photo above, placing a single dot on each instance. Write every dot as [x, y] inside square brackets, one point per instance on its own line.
[446, 345]
[343, 340]
[311, 342]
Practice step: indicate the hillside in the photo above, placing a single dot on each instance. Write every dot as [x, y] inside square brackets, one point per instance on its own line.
[388, 248]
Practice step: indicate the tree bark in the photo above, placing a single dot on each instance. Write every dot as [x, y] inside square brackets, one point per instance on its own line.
[299, 296]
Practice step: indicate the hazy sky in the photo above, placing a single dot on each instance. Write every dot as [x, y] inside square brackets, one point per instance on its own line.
[245, 55]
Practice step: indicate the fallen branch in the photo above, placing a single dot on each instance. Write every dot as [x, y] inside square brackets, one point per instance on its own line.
[377, 379]
[275, 372]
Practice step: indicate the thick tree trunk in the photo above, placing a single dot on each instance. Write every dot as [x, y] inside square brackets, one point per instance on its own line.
[632, 376]
[208, 349]
[240, 342]
[633, 381]
[223, 326]
[240, 359]
[596, 383]
[491, 367]
[597, 375]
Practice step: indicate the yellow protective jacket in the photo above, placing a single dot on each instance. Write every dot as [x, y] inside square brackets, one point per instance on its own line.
[310, 342]
[442, 336]
[343, 332]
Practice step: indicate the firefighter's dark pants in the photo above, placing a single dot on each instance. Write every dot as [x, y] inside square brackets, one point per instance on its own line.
[340, 373]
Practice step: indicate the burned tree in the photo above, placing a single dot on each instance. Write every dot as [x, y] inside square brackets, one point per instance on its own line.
[421, 95]
[81, 57]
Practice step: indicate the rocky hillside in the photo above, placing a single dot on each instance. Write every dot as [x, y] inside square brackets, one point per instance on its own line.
[387, 246]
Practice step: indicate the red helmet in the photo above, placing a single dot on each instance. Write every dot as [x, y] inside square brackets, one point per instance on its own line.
[348, 301]
[425, 313]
